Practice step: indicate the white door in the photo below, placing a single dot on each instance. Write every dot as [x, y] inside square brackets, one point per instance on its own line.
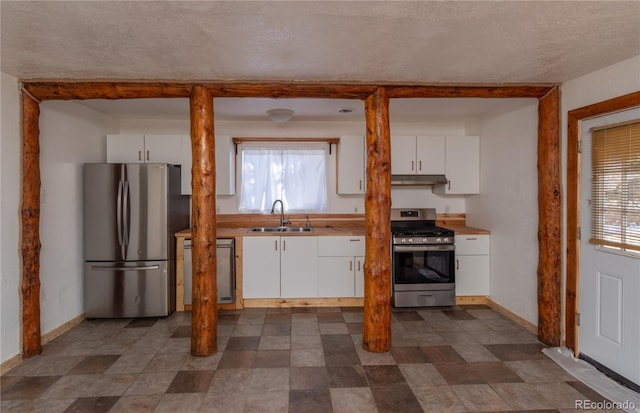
[609, 284]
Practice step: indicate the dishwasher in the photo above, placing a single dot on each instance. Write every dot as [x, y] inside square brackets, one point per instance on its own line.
[226, 274]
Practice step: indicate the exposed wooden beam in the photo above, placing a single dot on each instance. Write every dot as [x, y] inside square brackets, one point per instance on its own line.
[469, 91]
[377, 262]
[549, 221]
[106, 90]
[30, 231]
[204, 316]
[62, 90]
[574, 120]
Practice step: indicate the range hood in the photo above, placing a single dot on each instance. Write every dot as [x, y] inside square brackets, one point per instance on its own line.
[417, 180]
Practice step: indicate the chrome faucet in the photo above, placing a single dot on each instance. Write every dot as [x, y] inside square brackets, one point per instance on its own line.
[283, 222]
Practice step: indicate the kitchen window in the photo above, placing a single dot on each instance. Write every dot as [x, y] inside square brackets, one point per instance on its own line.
[615, 187]
[295, 174]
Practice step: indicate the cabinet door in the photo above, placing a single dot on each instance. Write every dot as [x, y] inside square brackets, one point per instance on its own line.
[261, 267]
[430, 154]
[125, 148]
[472, 275]
[162, 149]
[185, 162]
[463, 164]
[351, 165]
[336, 276]
[298, 267]
[403, 155]
[359, 277]
[225, 166]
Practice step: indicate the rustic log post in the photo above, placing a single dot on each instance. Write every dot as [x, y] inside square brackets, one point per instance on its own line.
[549, 221]
[31, 344]
[204, 318]
[377, 263]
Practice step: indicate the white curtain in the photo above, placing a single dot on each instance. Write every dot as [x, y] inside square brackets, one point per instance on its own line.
[295, 176]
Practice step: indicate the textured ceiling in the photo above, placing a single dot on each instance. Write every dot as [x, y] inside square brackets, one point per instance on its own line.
[384, 41]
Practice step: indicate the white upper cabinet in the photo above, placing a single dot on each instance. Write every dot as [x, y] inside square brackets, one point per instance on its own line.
[351, 165]
[417, 155]
[225, 165]
[125, 148]
[462, 166]
[162, 149]
[143, 149]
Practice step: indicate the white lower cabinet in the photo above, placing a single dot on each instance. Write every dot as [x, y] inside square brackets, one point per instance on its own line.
[298, 267]
[340, 266]
[472, 265]
[279, 267]
[261, 267]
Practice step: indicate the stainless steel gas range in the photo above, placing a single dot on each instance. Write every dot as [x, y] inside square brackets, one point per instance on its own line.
[423, 257]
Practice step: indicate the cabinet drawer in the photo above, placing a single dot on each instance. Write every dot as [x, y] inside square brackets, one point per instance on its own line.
[340, 246]
[472, 244]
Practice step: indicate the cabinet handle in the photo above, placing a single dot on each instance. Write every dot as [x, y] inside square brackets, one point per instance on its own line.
[472, 239]
[147, 155]
[457, 264]
[449, 181]
[358, 265]
[284, 245]
[412, 165]
[419, 165]
[275, 244]
[139, 155]
[350, 265]
[361, 184]
[354, 240]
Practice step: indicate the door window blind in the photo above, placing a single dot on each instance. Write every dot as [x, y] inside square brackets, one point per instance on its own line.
[615, 186]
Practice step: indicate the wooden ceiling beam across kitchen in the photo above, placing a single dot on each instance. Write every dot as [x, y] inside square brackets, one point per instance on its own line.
[68, 90]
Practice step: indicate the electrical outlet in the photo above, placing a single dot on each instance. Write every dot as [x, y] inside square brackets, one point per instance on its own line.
[43, 294]
[43, 196]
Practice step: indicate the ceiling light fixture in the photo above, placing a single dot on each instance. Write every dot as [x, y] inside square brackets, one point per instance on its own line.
[280, 115]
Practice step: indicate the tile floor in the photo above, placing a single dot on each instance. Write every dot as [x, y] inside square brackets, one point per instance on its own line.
[468, 358]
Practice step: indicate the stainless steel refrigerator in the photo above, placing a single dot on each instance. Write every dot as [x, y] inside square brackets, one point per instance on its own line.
[131, 213]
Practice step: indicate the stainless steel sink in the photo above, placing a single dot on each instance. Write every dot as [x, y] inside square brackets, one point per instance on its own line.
[281, 229]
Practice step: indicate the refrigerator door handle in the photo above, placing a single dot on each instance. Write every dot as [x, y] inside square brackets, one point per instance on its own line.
[119, 212]
[125, 207]
[123, 269]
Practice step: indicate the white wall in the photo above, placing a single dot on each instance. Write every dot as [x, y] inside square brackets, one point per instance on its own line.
[70, 134]
[10, 162]
[401, 197]
[508, 204]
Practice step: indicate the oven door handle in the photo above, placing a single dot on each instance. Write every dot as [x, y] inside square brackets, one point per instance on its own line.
[418, 248]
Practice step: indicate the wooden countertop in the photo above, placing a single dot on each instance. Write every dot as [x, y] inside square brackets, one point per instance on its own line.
[320, 231]
[224, 232]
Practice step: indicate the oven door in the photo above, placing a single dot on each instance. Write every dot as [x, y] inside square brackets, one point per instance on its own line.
[423, 267]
